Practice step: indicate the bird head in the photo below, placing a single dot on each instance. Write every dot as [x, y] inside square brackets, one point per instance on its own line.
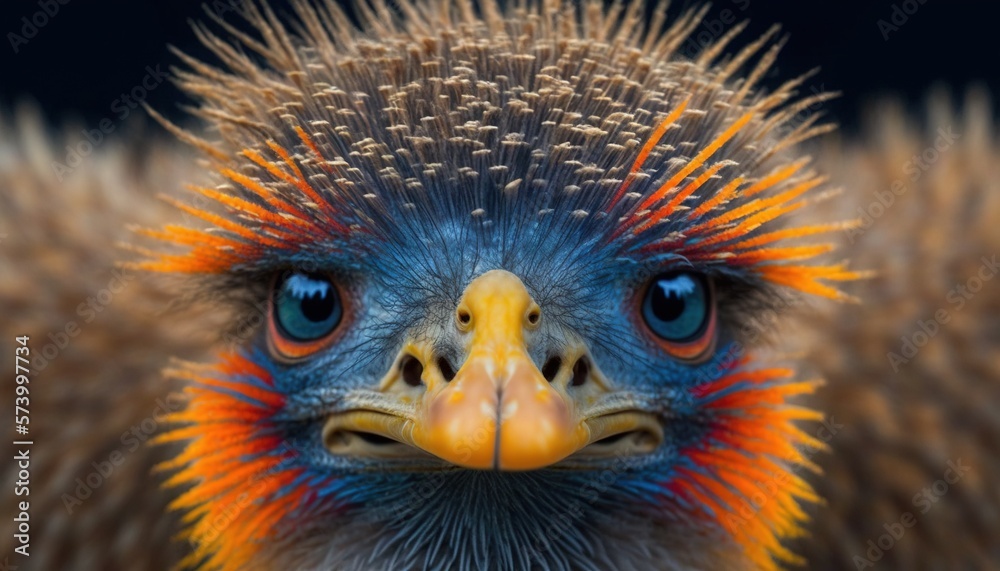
[506, 263]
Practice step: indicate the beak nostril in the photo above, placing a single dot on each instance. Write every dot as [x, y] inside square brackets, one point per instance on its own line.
[581, 372]
[412, 370]
[551, 368]
[447, 371]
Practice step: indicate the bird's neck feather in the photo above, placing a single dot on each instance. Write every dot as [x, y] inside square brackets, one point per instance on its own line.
[465, 519]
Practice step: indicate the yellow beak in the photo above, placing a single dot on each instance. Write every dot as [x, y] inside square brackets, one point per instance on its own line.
[499, 411]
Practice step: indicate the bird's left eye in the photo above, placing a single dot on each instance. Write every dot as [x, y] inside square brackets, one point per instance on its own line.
[305, 309]
[678, 309]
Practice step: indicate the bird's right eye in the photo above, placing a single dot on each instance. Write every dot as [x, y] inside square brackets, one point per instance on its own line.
[306, 309]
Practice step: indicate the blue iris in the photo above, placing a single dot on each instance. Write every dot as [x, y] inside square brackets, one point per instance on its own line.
[676, 306]
[306, 306]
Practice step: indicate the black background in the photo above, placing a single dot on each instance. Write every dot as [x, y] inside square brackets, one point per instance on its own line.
[85, 56]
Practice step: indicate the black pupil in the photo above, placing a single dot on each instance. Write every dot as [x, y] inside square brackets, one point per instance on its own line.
[666, 308]
[318, 307]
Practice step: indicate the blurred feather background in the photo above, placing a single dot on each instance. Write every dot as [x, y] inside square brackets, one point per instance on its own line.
[916, 110]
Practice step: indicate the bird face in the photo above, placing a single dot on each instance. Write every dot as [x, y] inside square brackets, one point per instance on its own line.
[503, 304]
[397, 374]
[576, 370]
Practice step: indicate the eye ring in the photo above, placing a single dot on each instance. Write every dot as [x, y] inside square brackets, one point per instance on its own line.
[306, 312]
[678, 311]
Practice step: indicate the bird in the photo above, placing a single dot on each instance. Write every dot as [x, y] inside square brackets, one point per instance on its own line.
[493, 274]
[504, 255]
